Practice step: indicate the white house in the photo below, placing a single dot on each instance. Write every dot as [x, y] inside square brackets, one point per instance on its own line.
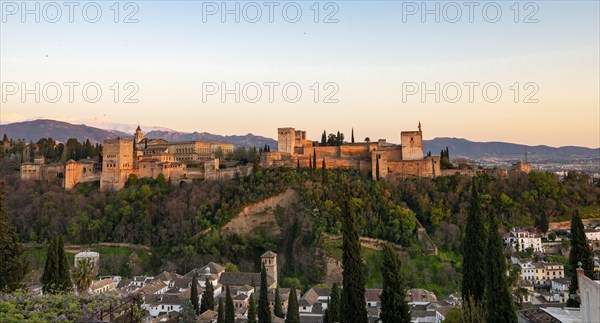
[521, 240]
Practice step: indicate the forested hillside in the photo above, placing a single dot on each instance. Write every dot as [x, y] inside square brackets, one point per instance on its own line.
[183, 223]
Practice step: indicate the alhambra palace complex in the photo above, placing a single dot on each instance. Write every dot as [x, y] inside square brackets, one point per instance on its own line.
[407, 159]
[185, 161]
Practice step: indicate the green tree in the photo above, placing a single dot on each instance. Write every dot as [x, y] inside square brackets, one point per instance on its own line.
[278, 309]
[252, 310]
[229, 309]
[352, 135]
[293, 314]
[334, 304]
[83, 274]
[208, 301]
[50, 275]
[499, 305]
[220, 315]
[324, 139]
[12, 268]
[264, 312]
[314, 162]
[324, 172]
[353, 294]
[394, 307]
[473, 282]
[65, 283]
[194, 298]
[580, 252]
[188, 313]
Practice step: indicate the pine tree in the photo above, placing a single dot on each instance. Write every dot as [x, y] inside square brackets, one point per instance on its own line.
[187, 314]
[310, 162]
[377, 168]
[499, 303]
[220, 315]
[278, 309]
[293, 314]
[208, 301]
[334, 304]
[394, 307]
[252, 310]
[353, 293]
[580, 252]
[314, 163]
[323, 139]
[229, 309]
[12, 268]
[264, 311]
[473, 282]
[352, 135]
[194, 294]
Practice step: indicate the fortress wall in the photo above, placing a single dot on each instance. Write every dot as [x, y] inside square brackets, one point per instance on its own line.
[361, 151]
[30, 171]
[426, 167]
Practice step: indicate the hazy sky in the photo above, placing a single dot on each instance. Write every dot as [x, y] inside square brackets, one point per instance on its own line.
[374, 58]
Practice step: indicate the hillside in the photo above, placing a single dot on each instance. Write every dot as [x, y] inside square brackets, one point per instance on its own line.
[57, 130]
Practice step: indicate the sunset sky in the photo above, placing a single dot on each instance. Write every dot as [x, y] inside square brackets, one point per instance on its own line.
[371, 56]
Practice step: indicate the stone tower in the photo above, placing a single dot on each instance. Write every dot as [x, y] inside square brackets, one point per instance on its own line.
[285, 140]
[269, 260]
[138, 135]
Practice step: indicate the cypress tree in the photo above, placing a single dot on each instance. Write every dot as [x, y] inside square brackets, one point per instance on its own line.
[473, 282]
[580, 252]
[310, 162]
[220, 315]
[499, 304]
[377, 168]
[314, 159]
[12, 268]
[277, 309]
[353, 308]
[352, 135]
[293, 314]
[194, 295]
[334, 304]
[324, 139]
[252, 310]
[264, 312]
[229, 309]
[298, 164]
[327, 316]
[50, 276]
[324, 172]
[208, 300]
[394, 307]
[64, 279]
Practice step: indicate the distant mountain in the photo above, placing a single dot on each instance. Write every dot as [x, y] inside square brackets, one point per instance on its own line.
[466, 148]
[62, 131]
[57, 130]
[246, 140]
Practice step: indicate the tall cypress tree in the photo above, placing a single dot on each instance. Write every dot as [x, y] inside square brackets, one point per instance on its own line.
[352, 135]
[220, 315]
[324, 171]
[264, 312]
[473, 282]
[194, 294]
[278, 309]
[252, 310]
[293, 313]
[314, 163]
[499, 303]
[580, 252]
[354, 309]
[65, 283]
[50, 276]
[377, 168]
[324, 139]
[208, 300]
[12, 268]
[229, 309]
[334, 304]
[394, 307]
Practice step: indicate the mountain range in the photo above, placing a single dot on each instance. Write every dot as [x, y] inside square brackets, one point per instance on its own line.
[61, 131]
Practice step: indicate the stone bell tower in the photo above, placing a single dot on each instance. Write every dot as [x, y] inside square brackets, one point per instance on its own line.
[269, 260]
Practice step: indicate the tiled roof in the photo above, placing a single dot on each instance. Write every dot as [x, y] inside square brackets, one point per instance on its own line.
[269, 254]
[372, 294]
[241, 279]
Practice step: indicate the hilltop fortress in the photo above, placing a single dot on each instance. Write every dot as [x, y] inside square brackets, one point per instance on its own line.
[374, 157]
[180, 161]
